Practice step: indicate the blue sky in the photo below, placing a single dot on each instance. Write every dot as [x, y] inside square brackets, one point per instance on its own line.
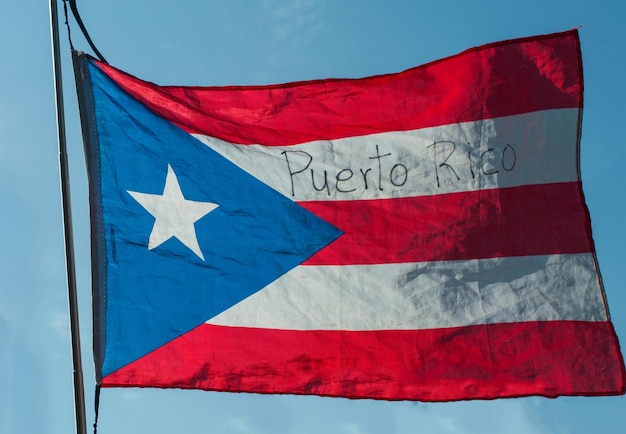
[192, 42]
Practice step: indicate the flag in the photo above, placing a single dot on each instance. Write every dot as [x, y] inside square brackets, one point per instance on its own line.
[420, 235]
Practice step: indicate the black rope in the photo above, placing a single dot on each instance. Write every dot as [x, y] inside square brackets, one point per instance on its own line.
[67, 24]
[96, 402]
[84, 30]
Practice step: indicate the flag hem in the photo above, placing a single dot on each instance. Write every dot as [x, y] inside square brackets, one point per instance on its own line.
[92, 159]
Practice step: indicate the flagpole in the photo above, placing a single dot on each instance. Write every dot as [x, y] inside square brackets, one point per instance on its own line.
[79, 389]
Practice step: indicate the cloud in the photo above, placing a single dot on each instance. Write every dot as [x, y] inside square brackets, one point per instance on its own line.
[448, 425]
[131, 395]
[294, 24]
[505, 416]
[7, 134]
[23, 398]
[240, 426]
[351, 428]
[60, 325]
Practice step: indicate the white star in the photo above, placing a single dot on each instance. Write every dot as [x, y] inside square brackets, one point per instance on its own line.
[174, 215]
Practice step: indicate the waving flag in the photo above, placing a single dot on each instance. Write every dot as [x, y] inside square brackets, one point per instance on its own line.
[420, 235]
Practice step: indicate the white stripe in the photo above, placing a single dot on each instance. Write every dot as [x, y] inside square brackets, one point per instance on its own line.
[532, 148]
[425, 295]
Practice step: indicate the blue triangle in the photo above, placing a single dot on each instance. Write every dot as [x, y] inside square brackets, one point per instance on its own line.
[149, 297]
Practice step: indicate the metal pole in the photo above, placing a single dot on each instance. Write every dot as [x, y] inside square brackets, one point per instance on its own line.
[79, 388]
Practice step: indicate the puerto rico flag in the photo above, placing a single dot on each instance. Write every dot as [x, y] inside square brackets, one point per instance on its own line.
[420, 235]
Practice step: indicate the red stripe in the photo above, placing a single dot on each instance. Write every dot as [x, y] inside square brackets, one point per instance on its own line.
[485, 361]
[501, 79]
[530, 220]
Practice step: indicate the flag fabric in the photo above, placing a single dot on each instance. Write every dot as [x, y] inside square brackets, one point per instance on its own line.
[420, 235]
